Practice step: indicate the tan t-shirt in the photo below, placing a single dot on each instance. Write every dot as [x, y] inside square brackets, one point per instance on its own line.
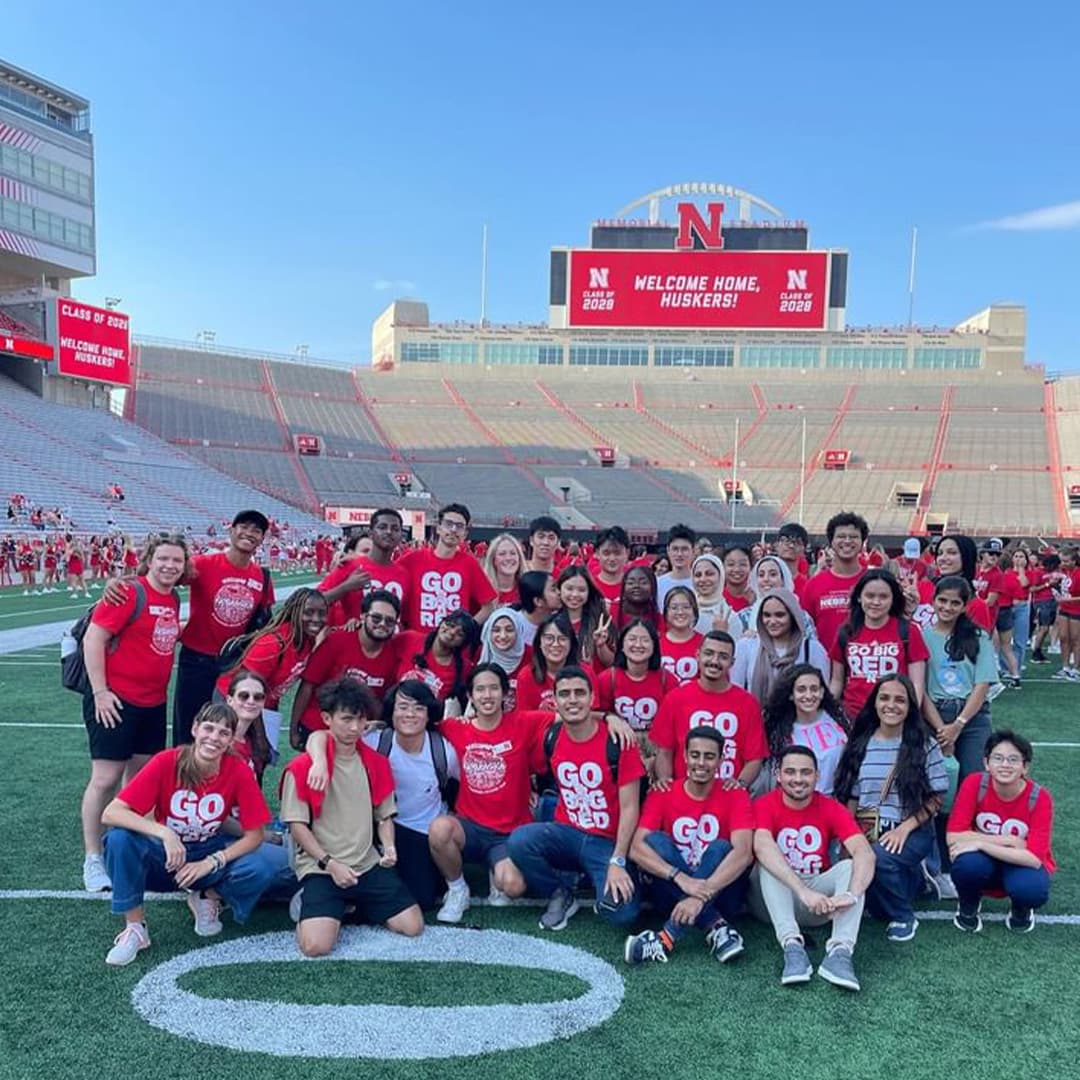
[345, 827]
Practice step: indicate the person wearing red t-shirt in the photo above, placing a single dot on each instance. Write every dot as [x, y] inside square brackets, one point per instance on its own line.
[165, 833]
[495, 749]
[347, 582]
[229, 595]
[827, 595]
[128, 651]
[680, 641]
[595, 817]
[696, 842]
[1013, 629]
[738, 591]
[988, 580]
[445, 578]
[794, 883]
[504, 564]
[612, 555]
[872, 643]
[555, 646]
[545, 532]
[279, 653]
[1067, 595]
[442, 658]
[999, 836]
[636, 685]
[712, 701]
[369, 654]
[1043, 605]
[792, 543]
[958, 555]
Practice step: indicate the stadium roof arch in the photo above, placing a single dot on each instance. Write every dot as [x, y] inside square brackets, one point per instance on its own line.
[654, 198]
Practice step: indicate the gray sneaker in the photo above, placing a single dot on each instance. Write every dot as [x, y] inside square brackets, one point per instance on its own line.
[561, 908]
[838, 968]
[797, 966]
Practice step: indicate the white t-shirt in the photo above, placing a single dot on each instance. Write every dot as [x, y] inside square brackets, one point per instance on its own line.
[666, 582]
[416, 786]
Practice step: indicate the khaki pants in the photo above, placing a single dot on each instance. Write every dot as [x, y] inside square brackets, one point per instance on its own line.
[772, 901]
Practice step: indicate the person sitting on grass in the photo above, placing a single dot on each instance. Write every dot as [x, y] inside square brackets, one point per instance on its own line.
[694, 844]
[794, 883]
[165, 833]
[999, 836]
[337, 860]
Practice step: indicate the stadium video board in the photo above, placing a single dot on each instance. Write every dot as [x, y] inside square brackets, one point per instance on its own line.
[743, 290]
[93, 343]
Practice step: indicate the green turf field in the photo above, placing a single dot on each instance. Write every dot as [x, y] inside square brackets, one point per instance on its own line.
[945, 1005]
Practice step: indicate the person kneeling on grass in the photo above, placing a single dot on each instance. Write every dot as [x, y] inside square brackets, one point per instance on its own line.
[164, 833]
[793, 884]
[694, 844]
[336, 858]
[595, 817]
[999, 836]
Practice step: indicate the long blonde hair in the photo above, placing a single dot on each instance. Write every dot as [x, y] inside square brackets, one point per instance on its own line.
[489, 559]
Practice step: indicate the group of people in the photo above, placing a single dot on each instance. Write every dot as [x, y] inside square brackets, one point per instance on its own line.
[732, 734]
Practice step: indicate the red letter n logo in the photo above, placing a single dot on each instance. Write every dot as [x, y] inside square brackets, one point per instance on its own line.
[692, 224]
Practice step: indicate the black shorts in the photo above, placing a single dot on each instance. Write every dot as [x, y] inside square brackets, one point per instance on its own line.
[1074, 615]
[379, 895]
[141, 731]
[1006, 619]
[1046, 612]
[483, 845]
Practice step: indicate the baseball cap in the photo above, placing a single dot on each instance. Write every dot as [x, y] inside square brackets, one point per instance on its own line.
[912, 548]
[995, 544]
[252, 517]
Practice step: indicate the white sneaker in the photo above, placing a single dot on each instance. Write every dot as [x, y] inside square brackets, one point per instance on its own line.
[206, 912]
[454, 905]
[496, 897]
[94, 875]
[296, 905]
[128, 944]
[995, 691]
[945, 888]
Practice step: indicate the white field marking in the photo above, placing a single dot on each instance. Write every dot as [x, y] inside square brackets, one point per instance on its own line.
[33, 724]
[22, 638]
[935, 914]
[285, 1029]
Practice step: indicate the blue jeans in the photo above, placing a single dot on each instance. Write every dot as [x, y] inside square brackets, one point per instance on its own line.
[1021, 632]
[136, 863]
[542, 849]
[898, 879]
[975, 872]
[666, 894]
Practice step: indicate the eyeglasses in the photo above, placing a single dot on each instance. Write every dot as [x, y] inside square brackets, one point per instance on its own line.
[553, 639]
[674, 609]
[454, 526]
[1005, 759]
[246, 695]
[384, 620]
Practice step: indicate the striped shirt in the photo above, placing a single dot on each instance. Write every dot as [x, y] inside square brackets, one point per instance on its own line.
[878, 763]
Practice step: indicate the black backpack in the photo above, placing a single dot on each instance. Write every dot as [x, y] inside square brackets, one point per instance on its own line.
[448, 786]
[551, 736]
[73, 674]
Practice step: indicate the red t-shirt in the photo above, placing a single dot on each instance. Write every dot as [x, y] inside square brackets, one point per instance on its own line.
[987, 582]
[995, 816]
[273, 656]
[679, 658]
[804, 835]
[734, 712]
[506, 597]
[222, 598]
[533, 695]
[1040, 585]
[738, 603]
[608, 591]
[637, 702]
[391, 577]
[340, 655]
[495, 767]
[872, 653]
[695, 823]
[1068, 592]
[588, 797]
[196, 815]
[138, 663]
[440, 677]
[1012, 592]
[437, 587]
[827, 600]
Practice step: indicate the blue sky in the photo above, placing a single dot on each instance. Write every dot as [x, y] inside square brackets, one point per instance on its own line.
[278, 172]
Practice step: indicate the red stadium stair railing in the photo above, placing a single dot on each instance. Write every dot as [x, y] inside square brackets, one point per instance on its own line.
[1053, 445]
[643, 411]
[598, 437]
[306, 488]
[814, 459]
[373, 420]
[918, 521]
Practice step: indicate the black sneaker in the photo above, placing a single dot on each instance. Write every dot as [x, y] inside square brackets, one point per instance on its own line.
[725, 942]
[1020, 920]
[969, 922]
[1038, 658]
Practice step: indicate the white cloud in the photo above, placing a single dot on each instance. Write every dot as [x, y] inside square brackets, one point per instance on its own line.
[1048, 218]
[386, 285]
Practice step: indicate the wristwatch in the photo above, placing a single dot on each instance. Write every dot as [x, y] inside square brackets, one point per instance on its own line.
[675, 872]
[619, 861]
[324, 862]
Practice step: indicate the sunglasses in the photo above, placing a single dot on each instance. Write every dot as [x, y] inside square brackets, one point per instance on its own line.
[385, 620]
[247, 695]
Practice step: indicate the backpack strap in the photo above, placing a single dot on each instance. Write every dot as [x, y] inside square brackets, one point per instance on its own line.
[984, 783]
[551, 736]
[386, 741]
[903, 628]
[613, 752]
[1033, 796]
[438, 759]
